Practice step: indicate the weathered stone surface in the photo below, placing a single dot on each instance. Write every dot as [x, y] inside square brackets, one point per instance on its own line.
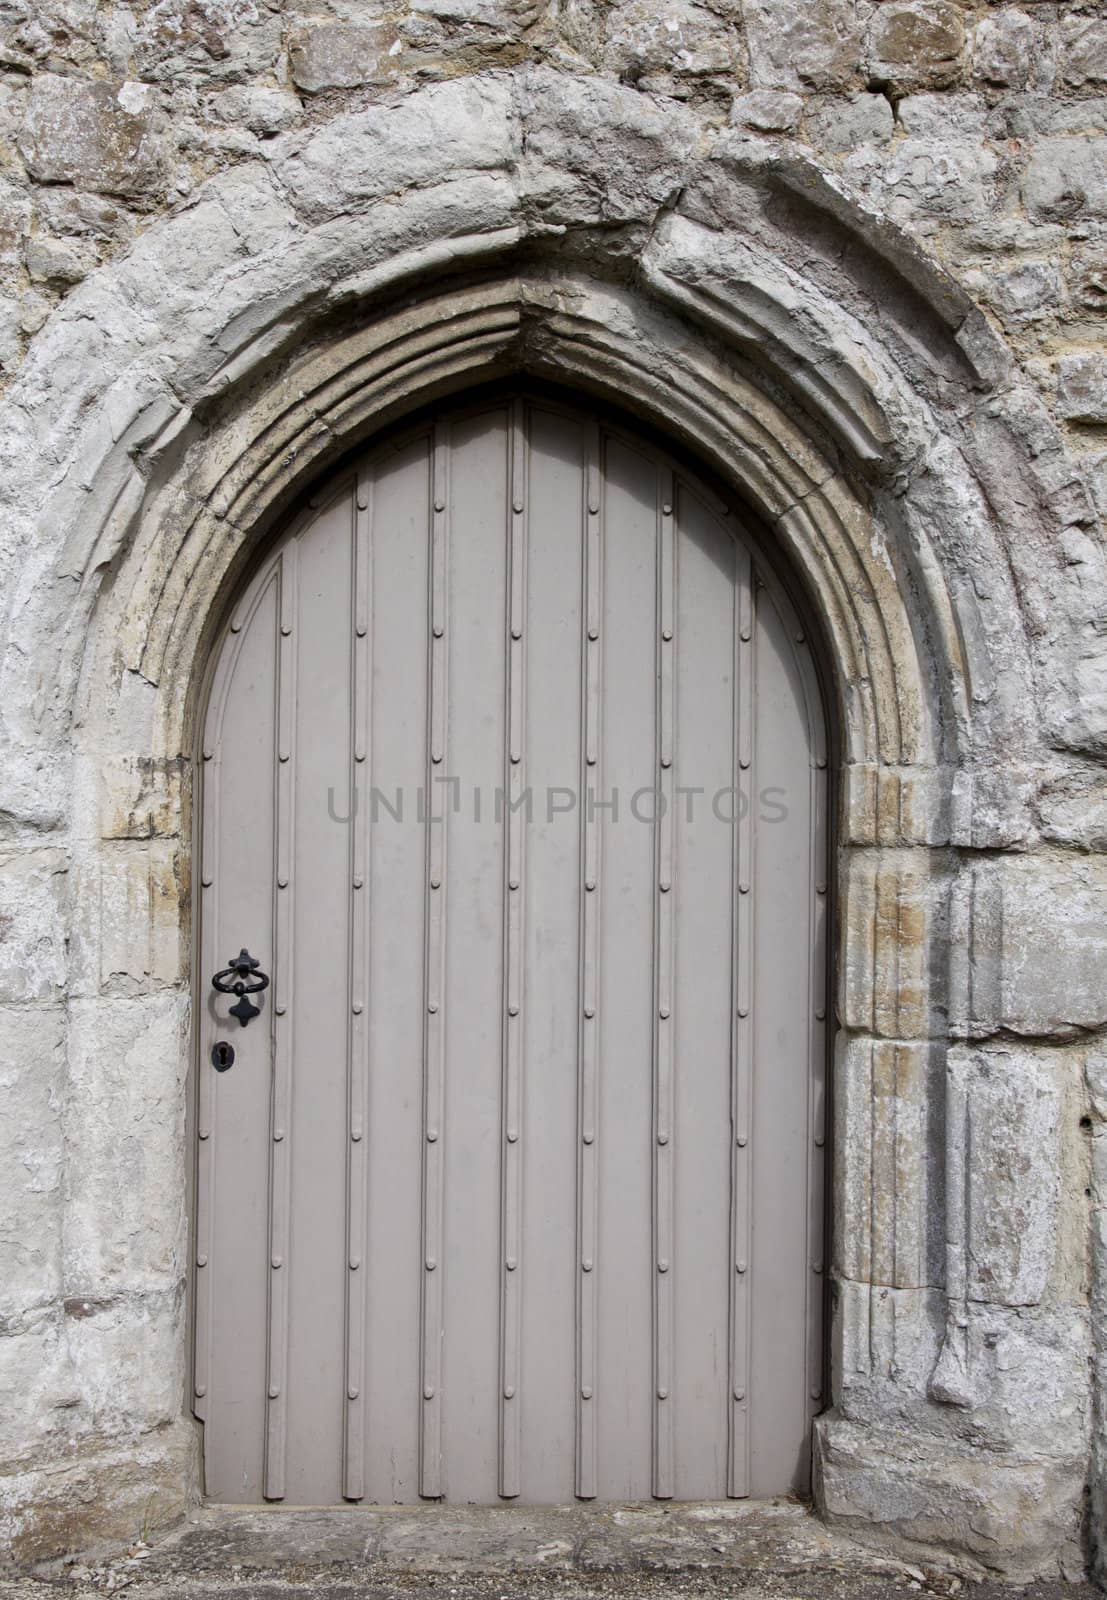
[904, 1491]
[915, 45]
[179, 41]
[32, 1099]
[1089, 278]
[1082, 386]
[1006, 1107]
[1038, 925]
[264, 111]
[337, 55]
[33, 892]
[1066, 178]
[1003, 49]
[767, 110]
[799, 47]
[1027, 292]
[126, 1225]
[842, 124]
[58, 261]
[684, 39]
[888, 1165]
[99, 1494]
[1084, 52]
[354, 159]
[94, 135]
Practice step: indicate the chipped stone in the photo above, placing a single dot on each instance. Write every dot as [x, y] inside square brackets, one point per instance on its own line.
[1082, 386]
[338, 55]
[683, 39]
[1066, 178]
[264, 111]
[798, 46]
[767, 110]
[915, 45]
[94, 135]
[59, 261]
[1003, 49]
[839, 125]
[1084, 52]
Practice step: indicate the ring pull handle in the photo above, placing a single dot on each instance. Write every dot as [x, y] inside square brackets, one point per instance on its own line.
[243, 977]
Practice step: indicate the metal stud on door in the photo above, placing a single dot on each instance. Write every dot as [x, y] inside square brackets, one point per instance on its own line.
[514, 772]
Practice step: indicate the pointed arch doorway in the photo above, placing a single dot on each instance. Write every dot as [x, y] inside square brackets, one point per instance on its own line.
[514, 784]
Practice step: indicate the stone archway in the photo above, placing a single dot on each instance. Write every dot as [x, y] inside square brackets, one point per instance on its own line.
[825, 368]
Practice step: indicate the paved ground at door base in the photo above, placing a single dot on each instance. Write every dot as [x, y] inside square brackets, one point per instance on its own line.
[765, 1551]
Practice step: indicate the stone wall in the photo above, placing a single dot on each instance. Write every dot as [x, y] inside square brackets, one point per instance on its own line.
[854, 253]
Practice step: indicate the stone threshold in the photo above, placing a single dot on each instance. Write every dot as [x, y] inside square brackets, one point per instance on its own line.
[755, 1548]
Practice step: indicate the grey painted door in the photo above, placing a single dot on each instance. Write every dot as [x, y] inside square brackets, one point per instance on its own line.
[514, 781]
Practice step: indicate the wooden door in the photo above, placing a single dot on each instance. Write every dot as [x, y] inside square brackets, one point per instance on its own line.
[514, 784]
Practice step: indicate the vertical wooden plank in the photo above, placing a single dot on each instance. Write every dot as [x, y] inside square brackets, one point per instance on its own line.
[738, 1483]
[283, 991]
[663, 1099]
[589, 978]
[361, 741]
[511, 1269]
[205, 1120]
[434, 1037]
[394, 1131]
[817, 1000]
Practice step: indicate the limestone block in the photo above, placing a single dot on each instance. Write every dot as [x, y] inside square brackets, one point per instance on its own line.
[33, 891]
[94, 135]
[1072, 808]
[1082, 386]
[884, 1343]
[41, 1410]
[58, 261]
[1065, 178]
[936, 176]
[1027, 292]
[1003, 49]
[915, 44]
[339, 55]
[128, 1061]
[681, 38]
[1004, 1111]
[207, 39]
[1084, 52]
[1018, 1378]
[15, 222]
[843, 123]
[32, 1153]
[355, 158]
[1016, 1516]
[767, 110]
[95, 1493]
[140, 796]
[893, 902]
[264, 111]
[501, 16]
[142, 900]
[801, 45]
[888, 1196]
[1035, 927]
[598, 152]
[127, 1357]
[1089, 270]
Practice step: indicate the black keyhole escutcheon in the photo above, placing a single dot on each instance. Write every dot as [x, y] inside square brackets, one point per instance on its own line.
[222, 1055]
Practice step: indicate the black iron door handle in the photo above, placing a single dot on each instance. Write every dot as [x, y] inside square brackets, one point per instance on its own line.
[243, 977]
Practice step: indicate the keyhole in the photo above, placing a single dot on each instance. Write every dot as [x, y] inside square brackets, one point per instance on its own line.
[222, 1055]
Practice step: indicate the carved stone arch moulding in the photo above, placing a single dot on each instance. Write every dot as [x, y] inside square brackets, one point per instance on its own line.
[180, 401]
